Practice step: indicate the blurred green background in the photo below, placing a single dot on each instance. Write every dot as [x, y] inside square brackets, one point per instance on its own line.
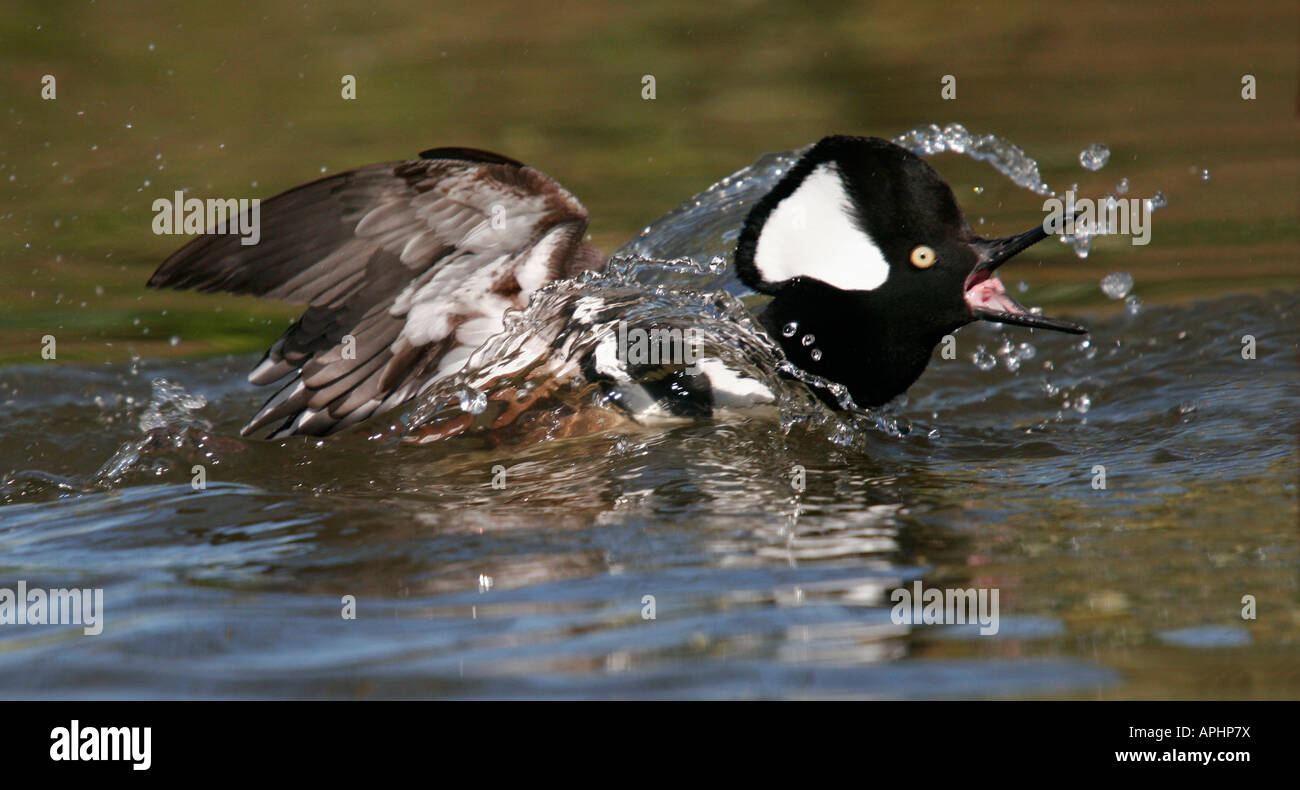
[243, 100]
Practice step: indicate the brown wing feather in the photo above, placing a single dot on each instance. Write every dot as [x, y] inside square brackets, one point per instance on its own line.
[393, 261]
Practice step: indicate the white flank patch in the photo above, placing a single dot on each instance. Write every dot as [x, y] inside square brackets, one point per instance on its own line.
[607, 361]
[810, 234]
[731, 389]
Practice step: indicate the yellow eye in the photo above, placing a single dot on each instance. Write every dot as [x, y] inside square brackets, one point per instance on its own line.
[923, 257]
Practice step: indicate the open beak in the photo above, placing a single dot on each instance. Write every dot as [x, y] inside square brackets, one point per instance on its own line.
[988, 298]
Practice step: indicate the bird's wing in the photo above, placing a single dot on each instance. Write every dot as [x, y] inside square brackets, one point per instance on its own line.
[405, 268]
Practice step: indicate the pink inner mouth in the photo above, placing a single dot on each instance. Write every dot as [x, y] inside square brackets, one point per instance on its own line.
[989, 293]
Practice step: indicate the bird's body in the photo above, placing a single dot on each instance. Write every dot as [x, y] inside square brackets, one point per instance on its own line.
[408, 268]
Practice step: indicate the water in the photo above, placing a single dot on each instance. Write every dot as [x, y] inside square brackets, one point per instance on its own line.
[487, 567]
[495, 565]
[1116, 285]
[1094, 157]
[1023, 170]
[682, 561]
[1005, 156]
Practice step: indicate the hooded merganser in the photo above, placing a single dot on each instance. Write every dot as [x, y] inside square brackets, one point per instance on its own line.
[867, 258]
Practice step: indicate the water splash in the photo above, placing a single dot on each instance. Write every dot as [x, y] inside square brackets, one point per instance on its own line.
[472, 400]
[1021, 169]
[707, 225]
[678, 273]
[1094, 157]
[170, 404]
[538, 360]
[1005, 156]
[1116, 285]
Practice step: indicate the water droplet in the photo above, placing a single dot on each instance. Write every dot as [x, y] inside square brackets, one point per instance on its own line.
[1022, 286]
[816, 355]
[472, 401]
[1133, 305]
[978, 190]
[789, 329]
[1122, 186]
[1006, 157]
[1094, 157]
[1116, 285]
[175, 340]
[1158, 200]
[1205, 174]
[1082, 404]
[1025, 351]
[807, 340]
[983, 359]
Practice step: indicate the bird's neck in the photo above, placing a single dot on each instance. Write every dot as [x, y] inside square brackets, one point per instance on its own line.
[875, 357]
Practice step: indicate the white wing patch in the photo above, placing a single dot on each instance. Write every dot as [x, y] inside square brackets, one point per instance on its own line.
[534, 272]
[810, 234]
[462, 288]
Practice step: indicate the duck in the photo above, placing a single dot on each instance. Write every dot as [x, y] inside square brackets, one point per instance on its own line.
[863, 259]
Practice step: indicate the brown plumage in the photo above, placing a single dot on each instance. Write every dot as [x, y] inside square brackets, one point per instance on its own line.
[405, 268]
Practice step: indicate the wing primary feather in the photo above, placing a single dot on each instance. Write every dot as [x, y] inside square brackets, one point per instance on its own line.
[405, 258]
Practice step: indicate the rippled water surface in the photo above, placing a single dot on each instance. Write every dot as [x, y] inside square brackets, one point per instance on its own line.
[984, 476]
[537, 588]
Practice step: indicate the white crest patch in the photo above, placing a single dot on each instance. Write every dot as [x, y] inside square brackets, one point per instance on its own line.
[810, 234]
